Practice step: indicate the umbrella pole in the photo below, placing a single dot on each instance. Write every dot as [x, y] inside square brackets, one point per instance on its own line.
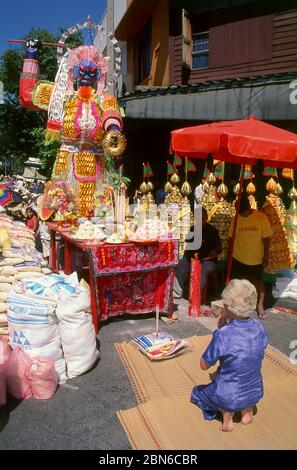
[230, 255]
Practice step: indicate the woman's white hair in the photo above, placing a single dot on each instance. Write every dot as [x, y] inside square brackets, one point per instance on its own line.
[240, 297]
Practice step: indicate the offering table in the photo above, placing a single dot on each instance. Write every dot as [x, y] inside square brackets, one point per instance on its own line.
[124, 278]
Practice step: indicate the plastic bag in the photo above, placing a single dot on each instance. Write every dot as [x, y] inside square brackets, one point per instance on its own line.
[4, 356]
[42, 377]
[4, 350]
[2, 385]
[17, 381]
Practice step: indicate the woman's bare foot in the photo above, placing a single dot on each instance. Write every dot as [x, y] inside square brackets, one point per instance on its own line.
[227, 425]
[247, 416]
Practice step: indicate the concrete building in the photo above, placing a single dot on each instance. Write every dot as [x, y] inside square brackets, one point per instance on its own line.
[114, 13]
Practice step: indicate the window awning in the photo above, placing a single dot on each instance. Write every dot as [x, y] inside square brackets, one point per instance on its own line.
[271, 97]
[32, 173]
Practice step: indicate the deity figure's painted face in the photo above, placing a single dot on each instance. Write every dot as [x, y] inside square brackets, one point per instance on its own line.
[86, 73]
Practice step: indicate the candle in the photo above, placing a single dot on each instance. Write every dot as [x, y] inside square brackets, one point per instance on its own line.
[117, 206]
[123, 204]
[112, 199]
[120, 205]
[157, 320]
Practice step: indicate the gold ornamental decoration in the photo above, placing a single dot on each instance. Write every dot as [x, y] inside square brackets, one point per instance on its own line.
[149, 186]
[143, 187]
[174, 179]
[279, 189]
[211, 179]
[223, 190]
[168, 187]
[186, 189]
[42, 94]
[251, 188]
[271, 185]
[293, 193]
[236, 188]
[114, 143]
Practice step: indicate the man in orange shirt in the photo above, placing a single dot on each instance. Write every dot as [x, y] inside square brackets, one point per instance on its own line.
[251, 246]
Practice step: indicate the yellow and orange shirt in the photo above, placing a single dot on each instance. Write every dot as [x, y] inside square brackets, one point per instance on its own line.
[250, 231]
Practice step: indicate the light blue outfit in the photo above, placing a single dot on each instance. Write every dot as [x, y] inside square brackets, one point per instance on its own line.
[239, 346]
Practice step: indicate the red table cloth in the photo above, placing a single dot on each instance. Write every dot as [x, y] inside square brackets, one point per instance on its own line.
[133, 278]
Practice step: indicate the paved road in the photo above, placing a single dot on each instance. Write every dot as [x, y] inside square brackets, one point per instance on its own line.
[82, 414]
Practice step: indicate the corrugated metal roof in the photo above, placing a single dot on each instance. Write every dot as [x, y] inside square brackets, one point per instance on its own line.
[268, 97]
[258, 80]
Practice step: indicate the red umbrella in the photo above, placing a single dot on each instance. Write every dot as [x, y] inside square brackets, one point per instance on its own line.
[242, 142]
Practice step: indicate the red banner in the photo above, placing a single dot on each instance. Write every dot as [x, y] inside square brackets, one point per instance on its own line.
[130, 257]
[132, 278]
[195, 301]
[135, 293]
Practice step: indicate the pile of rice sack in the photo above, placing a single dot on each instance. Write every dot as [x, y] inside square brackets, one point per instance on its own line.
[44, 314]
[18, 259]
[48, 318]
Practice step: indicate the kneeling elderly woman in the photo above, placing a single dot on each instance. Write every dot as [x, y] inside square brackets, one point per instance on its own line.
[239, 345]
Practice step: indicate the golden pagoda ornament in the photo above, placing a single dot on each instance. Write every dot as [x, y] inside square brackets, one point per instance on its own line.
[147, 187]
[205, 187]
[211, 179]
[186, 188]
[272, 188]
[251, 190]
[175, 196]
[223, 190]
[186, 191]
[220, 216]
[236, 189]
[178, 206]
[293, 193]
[149, 195]
[175, 179]
[291, 222]
[168, 187]
[279, 189]
[280, 254]
[143, 187]
[210, 197]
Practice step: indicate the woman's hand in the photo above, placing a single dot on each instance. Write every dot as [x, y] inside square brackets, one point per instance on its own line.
[221, 321]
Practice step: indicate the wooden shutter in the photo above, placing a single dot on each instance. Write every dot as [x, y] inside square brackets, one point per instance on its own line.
[238, 42]
[260, 43]
[187, 40]
[229, 44]
[219, 39]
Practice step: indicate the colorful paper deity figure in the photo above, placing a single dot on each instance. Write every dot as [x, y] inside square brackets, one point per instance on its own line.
[81, 115]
